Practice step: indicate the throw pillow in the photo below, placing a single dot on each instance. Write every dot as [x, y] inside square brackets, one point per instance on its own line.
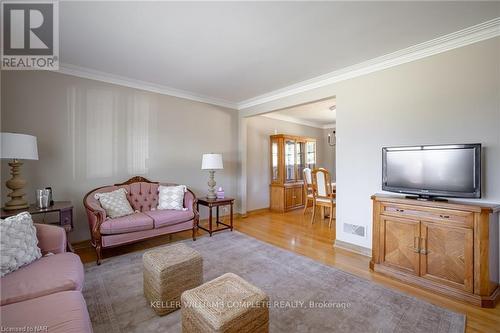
[115, 203]
[171, 197]
[18, 242]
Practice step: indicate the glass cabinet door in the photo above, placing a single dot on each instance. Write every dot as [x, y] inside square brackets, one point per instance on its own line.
[290, 160]
[311, 154]
[300, 160]
[274, 161]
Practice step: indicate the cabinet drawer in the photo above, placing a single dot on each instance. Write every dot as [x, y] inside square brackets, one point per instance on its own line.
[457, 217]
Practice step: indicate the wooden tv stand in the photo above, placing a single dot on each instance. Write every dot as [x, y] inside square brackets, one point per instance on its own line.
[447, 247]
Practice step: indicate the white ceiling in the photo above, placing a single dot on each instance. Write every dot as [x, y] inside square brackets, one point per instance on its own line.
[317, 114]
[235, 51]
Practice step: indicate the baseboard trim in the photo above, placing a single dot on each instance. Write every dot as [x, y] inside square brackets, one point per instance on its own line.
[352, 247]
[81, 244]
[254, 212]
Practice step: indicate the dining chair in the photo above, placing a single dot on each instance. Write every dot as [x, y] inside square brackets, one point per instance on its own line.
[308, 192]
[322, 192]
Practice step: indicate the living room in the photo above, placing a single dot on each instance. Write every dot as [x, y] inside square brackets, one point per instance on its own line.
[203, 105]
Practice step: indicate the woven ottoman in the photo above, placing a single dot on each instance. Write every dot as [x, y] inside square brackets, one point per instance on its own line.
[168, 271]
[226, 304]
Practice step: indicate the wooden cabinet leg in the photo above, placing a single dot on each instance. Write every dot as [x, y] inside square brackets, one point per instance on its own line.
[69, 247]
[231, 217]
[210, 221]
[66, 221]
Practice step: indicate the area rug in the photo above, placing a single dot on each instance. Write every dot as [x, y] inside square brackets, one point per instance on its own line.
[306, 296]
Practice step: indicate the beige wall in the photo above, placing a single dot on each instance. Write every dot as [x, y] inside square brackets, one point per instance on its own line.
[258, 173]
[449, 97]
[452, 97]
[92, 133]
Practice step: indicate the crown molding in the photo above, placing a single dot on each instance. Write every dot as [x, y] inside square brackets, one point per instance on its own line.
[464, 37]
[332, 125]
[91, 74]
[296, 120]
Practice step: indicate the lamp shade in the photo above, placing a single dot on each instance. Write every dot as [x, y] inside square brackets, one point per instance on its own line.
[18, 146]
[211, 162]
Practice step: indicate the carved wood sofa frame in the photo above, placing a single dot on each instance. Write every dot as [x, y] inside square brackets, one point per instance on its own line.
[95, 231]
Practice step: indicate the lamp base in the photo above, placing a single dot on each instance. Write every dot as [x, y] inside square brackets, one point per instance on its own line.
[13, 206]
[211, 185]
[16, 184]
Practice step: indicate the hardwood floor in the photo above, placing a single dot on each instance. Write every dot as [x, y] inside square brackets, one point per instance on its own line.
[293, 231]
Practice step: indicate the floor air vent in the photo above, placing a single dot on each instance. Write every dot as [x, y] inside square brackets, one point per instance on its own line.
[354, 229]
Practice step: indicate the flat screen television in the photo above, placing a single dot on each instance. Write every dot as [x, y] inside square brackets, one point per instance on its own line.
[433, 171]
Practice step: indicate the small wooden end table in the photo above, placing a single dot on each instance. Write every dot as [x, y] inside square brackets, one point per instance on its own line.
[64, 208]
[210, 203]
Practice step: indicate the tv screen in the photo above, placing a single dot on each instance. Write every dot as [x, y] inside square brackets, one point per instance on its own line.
[444, 170]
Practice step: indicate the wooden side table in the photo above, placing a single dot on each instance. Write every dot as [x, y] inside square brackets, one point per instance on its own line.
[64, 208]
[210, 203]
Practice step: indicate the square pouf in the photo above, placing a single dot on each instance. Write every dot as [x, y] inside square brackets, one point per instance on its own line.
[226, 304]
[169, 271]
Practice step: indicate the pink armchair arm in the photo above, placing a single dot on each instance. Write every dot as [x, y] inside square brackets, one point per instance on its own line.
[51, 238]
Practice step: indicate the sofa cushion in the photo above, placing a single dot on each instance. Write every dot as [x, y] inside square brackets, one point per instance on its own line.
[129, 223]
[171, 197]
[64, 312]
[47, 275]
[18, 242]
[163, 218]
[115, 203]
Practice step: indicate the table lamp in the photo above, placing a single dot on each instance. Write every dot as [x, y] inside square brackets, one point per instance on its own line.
[17, 147]
[211, 162]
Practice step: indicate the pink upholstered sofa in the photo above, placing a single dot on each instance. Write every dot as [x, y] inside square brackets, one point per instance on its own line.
[147, 222]
[46, 292]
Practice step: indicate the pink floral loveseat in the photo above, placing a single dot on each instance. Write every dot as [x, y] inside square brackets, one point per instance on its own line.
[146, 222]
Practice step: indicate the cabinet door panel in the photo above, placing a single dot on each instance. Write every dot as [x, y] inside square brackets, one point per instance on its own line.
[293, 196]
[311, 154]
[399, 244]
[275, 159]
[289, 200]
[447, 255]
[300, 161]
[290, 160]
[298, 194]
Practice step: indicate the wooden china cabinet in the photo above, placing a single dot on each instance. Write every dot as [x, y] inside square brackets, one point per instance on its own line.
[289, 156]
